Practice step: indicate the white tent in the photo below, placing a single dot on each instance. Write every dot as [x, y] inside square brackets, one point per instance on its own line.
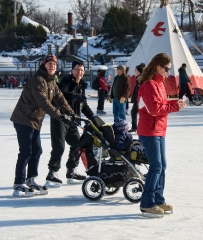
[162, 35]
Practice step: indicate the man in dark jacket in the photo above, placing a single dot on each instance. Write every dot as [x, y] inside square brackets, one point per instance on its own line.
[120, 91]
[34, 102]
[73, 89]
[183, 83]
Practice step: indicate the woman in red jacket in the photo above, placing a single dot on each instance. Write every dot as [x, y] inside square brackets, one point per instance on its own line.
[102, 92]
[153, 109]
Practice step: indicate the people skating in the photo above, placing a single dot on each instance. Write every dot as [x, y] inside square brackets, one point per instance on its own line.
[119, 93]
[183, 83]
[134, 111]
[101, 92]
[27, 117]
[154, 108]
[73, 88]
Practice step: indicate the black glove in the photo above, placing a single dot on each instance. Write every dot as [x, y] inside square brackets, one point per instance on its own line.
[79, 97]
[64, 118]
[75, 117]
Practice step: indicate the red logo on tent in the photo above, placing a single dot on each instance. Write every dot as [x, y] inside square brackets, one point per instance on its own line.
[158, 28]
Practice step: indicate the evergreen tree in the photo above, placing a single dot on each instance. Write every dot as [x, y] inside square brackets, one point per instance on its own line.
[7, 11]
[119, 22]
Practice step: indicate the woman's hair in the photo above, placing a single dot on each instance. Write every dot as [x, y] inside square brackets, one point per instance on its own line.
[160, 59]
[101, 73]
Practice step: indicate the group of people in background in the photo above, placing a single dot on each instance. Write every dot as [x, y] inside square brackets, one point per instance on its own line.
[43, 95]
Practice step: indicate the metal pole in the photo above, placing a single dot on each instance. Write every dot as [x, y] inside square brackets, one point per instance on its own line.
[15, 18]
[91, 12]
[87, 55]
[54, 23]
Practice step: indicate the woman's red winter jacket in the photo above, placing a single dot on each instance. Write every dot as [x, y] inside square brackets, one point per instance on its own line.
[154, 107]
[103, 83]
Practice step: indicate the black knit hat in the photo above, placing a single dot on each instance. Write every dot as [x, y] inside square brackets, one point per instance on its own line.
[50, 58]
[139, 68]
[74, 63]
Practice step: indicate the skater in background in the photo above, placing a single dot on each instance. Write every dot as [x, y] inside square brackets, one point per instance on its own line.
[102, 92]
[119, 93]
[73, 88]
[134, 111]
[102, 59]
[154, 108]
[183, 83]
[34, 102]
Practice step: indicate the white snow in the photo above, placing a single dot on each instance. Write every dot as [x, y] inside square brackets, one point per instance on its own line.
[66, 214]
[27, 20]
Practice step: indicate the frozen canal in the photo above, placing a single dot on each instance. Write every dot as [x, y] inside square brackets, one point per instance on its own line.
[66, 214]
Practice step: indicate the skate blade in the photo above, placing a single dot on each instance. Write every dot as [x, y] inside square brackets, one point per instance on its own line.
[50, 184]
[151, 215]
[73, 181]
[22, 194]
[43, 192]
[168, 212]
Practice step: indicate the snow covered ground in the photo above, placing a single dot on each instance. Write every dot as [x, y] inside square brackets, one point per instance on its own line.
[66, 214]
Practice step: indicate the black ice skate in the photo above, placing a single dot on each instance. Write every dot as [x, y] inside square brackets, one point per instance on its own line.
[74, 177]
[33, 184]
[22, 190]
[52, 180]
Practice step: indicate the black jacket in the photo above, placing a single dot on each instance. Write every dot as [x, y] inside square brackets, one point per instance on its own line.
[75, 95]
[135, 91]
[183, 77]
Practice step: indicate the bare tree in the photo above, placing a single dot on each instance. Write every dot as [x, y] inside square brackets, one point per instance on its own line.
[55, 20]
[191, 4]
[30, 6]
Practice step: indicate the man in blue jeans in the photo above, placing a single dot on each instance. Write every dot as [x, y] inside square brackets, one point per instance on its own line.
[119, 93]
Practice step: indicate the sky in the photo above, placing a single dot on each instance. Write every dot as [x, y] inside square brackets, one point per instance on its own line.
[60, 4]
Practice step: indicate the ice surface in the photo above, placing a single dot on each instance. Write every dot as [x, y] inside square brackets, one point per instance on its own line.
[66, 214]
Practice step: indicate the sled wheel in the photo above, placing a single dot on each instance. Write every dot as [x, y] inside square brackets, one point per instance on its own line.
[197, 100]
[93, 188]
[133, 189]
[111, 190]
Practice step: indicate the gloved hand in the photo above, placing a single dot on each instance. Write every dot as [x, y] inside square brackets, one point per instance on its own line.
[122, 100]
[79, 97]
[63, 118]
[110, 100]
[75, 117]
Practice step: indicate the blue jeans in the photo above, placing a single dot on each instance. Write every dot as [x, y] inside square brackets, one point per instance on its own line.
[155, 180]
[119, 109]
[29, 152]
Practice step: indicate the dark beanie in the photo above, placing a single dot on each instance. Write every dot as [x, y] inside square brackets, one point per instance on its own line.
[139, 68]
[74, 63]
[50, 58]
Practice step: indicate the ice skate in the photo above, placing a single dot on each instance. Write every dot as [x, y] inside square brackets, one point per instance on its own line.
[52, 180]
[154, 212]
[73, 177]
[168, 209]
[22, 190]
[32, 183]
